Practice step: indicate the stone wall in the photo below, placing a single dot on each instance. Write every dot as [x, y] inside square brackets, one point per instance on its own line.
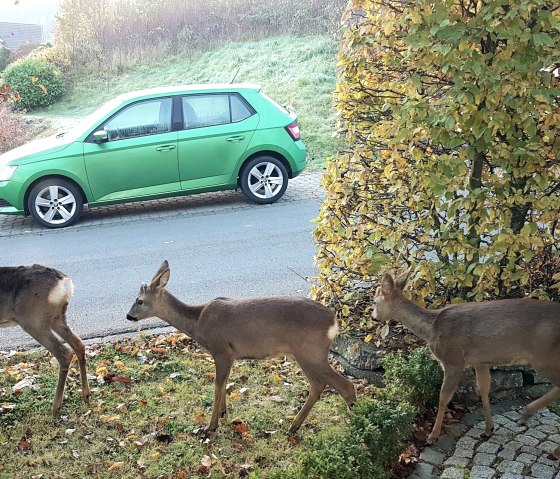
[362, 360]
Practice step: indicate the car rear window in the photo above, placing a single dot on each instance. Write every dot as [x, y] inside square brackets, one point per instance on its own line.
[213, 109]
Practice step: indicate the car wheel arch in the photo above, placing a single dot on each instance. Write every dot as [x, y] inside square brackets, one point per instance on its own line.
[273, 154]
[48, 177]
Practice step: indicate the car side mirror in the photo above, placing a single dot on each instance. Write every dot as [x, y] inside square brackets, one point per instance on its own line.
[100, 136]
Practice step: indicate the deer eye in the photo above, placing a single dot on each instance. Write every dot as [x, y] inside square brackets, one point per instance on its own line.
[139, 302]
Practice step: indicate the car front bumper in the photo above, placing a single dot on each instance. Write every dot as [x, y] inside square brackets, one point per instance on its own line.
[9, 198]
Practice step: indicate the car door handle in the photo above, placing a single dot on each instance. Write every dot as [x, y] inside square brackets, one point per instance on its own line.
[233, 139]
[165, 148]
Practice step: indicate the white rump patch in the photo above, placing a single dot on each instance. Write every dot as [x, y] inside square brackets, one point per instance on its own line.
[62, 292]
[333, 331]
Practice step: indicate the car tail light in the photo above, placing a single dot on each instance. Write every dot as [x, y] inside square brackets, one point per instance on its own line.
[293, 130]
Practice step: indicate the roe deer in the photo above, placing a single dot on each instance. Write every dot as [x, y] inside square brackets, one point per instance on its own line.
[251, 328]
[36, 298]
[500, 332]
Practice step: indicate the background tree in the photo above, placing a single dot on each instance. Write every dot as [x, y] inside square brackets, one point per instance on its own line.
[450, 110]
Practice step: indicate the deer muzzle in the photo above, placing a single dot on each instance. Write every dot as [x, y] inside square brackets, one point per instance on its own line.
[131, 318]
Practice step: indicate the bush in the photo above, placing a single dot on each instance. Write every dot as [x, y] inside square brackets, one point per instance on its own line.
[14, 131]
[52, 54]
[416, 378]
[450, 112]
[38, 83]
[379, 430]
[4, 57]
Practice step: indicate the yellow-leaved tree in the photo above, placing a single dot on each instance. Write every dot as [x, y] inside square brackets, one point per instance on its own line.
[450, 113]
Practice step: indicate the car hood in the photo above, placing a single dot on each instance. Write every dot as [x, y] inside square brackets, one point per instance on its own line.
[31, 151]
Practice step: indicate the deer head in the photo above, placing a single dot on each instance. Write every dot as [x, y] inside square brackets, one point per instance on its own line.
[385, 293]
[149, 300]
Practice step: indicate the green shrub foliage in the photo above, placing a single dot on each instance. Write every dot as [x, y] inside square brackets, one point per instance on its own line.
[450, 112]
[416, 378]
[38, 83]
[4, 57]
[379, 431]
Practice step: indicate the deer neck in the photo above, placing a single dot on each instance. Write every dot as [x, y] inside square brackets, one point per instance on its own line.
[180, 315]
[417, 319]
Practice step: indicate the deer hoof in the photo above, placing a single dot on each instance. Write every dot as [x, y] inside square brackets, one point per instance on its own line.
[552, 457]
[487, 434]
[524, 420]
[431, 439]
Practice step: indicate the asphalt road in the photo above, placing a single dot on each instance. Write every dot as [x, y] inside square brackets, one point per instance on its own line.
[233, 249]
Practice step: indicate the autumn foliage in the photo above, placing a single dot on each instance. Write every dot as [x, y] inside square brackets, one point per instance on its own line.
[450, 113]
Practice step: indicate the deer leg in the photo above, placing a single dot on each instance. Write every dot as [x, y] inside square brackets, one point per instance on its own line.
[63, 355]
[317, 376]
[223, 368]
[555, 455]
[64, 331]
[483, 381]
[342, 385]
[532, 408]
[451, 377]
[316, 387]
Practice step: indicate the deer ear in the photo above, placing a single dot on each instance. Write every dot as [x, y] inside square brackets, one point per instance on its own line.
[162, 268]
[400, 281]
[161, 278]
[387, 284]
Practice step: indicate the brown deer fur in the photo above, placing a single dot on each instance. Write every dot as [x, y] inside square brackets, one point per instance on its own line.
[251, 328]
[36, 298]
[500, 332]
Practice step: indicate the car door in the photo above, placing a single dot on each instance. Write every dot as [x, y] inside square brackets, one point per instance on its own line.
[140, 156]
[218, 127]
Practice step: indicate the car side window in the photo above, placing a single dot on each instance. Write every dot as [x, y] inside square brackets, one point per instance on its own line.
[213, 109]
[239, 109]
[140, 119]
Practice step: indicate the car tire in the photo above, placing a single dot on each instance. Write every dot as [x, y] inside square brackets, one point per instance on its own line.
[55, 203]
[264, 179]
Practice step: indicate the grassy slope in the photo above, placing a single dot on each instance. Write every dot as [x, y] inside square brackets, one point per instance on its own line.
[297, 71]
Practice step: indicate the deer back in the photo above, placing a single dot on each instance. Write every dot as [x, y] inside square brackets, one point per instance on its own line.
[29, 291]
[256, 328]
[508, 331]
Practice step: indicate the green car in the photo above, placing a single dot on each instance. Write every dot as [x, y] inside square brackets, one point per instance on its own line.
[153, 144]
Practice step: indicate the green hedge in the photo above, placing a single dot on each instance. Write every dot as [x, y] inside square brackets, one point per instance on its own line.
[38, 83]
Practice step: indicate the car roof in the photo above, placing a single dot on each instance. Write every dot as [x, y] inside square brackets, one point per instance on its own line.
[198, 88]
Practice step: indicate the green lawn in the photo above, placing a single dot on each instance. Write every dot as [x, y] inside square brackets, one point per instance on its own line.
[150, 398]
[296, 71]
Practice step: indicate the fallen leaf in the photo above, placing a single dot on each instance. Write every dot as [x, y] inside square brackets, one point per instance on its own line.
[126, 380]
[200, 419]
[206, 461]
[116, 466]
